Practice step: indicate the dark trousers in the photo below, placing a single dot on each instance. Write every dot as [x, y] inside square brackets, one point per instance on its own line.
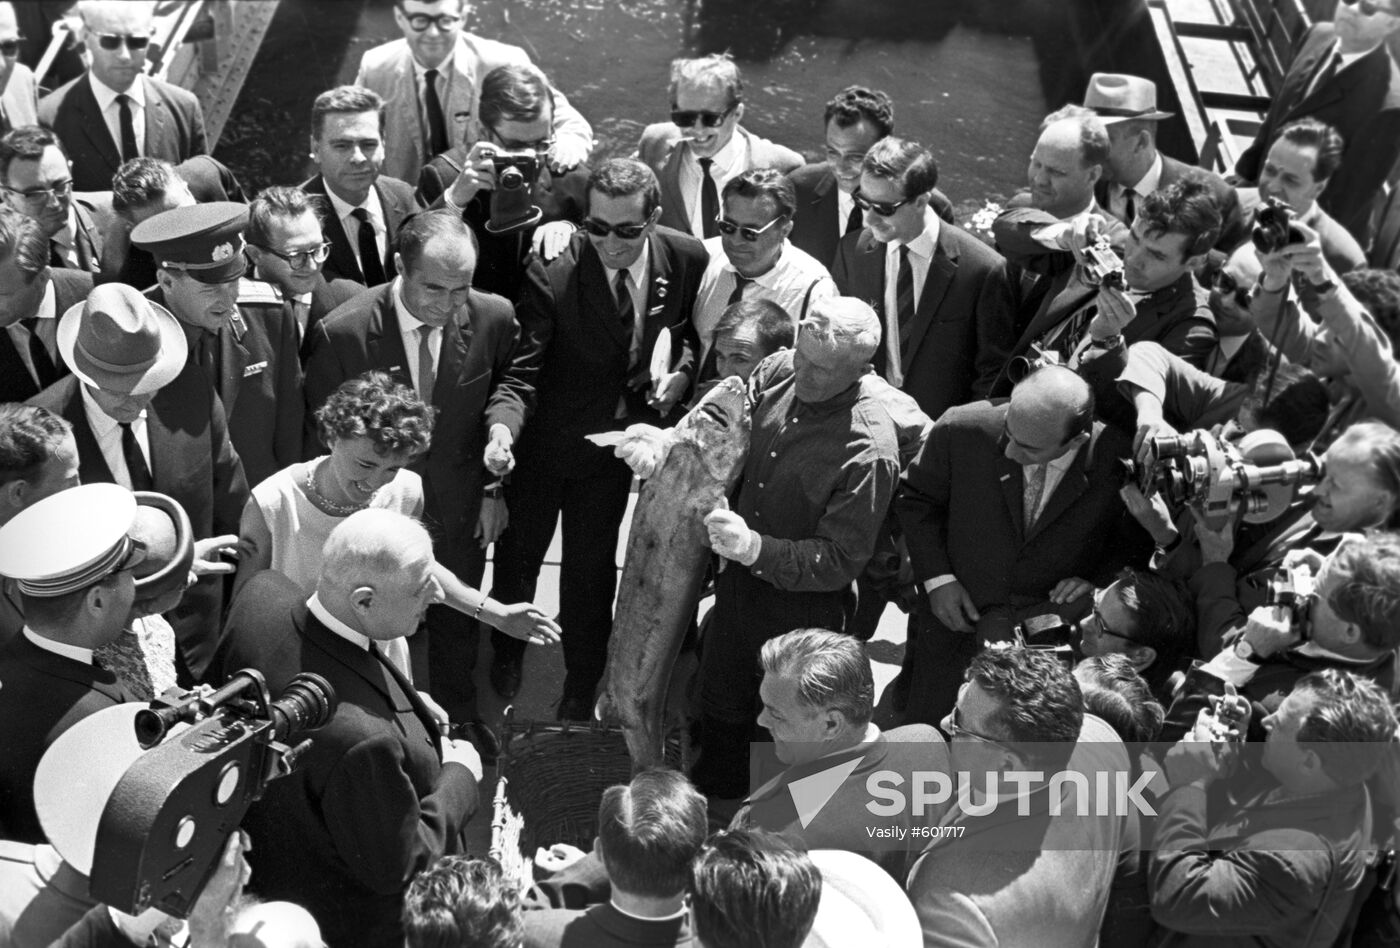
[748, 611]
[592, 507]
[444, 650]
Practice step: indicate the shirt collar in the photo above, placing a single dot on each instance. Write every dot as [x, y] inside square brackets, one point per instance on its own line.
[443, 68]
[1061, 463]
[335, 625]
[370, 204]
[1149, 182]
[1230, 345]
[102, 423]
[74, 652]
[648, 918]
[768, 279]
[927, 239]
[106, 95]
[724, 159]
[638, 269]
[48, 306]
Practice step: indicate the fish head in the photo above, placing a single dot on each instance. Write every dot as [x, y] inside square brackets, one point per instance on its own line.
[718, 427]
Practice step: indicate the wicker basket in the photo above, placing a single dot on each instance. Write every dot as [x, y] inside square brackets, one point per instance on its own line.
[551, 778]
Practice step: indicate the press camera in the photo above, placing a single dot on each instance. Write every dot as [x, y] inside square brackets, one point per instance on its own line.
[512, 200]
[1102, 265]
[1273, 227]
[1256, 478]
[208, 755]
[1295, 589]
[1049, 633]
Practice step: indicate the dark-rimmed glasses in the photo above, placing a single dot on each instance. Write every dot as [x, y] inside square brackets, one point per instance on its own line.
[418, 22]
[112, 41]
[597, 228]
[1102, 624]
[10, 47]
[685, 118]
[728, 228]
[539, 146]
[883, 208]
[953, 725]
[59, 189]
[301, 259]
[1226, 283]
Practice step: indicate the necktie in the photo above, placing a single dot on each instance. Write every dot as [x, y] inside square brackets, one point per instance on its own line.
[904, 291]
[709, 199]
[855, 221]
[1034, 490]
[740, 282]
[1129, 206]
[427, 376]
[432, 105]
[371, 265]
[300, 313]
[45, 372]
[626, 309]
[128, 129]
[136, 467]
[5, 125]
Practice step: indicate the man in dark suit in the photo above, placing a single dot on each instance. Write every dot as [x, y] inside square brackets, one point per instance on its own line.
[1241, 352]
[147, 419]
[114, 113]
[1010, 510]
[287, 246]
[649, 830]
[1128, 107]
[704, 147]
[590, 322]
[943, 296]
[856, 118]
[1159, 299]
[72, 559]
[454, 345]
[34, 297]
[38, 182]
[365, 207]
[380, 795]
[238, 333]
[1342, 74]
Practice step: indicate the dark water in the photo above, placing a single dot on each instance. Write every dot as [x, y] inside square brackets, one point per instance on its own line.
[970, 78]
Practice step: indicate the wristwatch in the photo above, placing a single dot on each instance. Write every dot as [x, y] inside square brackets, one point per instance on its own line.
[492, 491]
[1245, 650]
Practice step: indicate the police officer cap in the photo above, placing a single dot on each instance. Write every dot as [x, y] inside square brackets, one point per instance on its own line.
[70, 540]
[203, 240]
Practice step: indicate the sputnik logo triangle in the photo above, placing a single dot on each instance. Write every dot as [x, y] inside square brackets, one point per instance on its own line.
[810, 794]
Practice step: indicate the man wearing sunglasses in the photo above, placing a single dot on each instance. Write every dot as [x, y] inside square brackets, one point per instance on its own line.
[434, 73]
[36, 180]
[753, 259]
[114, 113]
[703, 147]
[236, 329]
[944, 296]
[1241, 351]
[19, 93]
[590, 321]
[1343, 75]
[32, 298]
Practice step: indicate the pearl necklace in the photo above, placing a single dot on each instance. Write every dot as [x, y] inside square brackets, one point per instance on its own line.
[325, 503]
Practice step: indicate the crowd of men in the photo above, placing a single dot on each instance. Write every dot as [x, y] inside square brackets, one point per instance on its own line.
[975, 427]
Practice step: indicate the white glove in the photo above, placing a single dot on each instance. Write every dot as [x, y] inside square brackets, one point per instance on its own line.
[731, 537]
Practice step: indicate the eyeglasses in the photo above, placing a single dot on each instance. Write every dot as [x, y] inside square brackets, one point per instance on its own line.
[1101, 623]
[111, 41]
[728, 228]
[953, 725]
[1226, 283]
[539, 146]
[599, 228]
[301, 259]
[446, 22]
[10, 47]
[59, 189]
[685, 118]
[1370, 8]
[883, 208]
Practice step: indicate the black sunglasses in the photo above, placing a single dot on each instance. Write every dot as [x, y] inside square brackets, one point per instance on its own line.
[10, 47]
[1228, 285]
[1370, 8]
[599, 228]
[883, 208]
[685, 118]
[728, 228]
[111, 41]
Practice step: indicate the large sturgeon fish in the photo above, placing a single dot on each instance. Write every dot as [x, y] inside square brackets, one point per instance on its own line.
[667, 550]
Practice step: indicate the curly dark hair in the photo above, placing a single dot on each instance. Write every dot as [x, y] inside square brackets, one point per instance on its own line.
[376, 407]
[461, 900]
[1041, 706]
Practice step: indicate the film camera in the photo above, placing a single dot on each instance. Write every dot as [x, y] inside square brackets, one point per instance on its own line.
[1103, 266]
[1050, 633]
[1257, 477]
[1294, 588]
[1273, 227]
[512, 207]
[208, 754]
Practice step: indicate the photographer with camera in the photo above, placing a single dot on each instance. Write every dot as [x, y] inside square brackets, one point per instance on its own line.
[1287, 849]
[499, 180]
[1144, 617]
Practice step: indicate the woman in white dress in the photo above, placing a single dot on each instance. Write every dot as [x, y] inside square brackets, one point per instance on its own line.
[374, 428]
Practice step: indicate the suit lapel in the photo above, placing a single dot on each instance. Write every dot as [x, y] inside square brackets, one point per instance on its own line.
[452, 357]
[384, 342]
[158, 131]
[671, 195]
[597, 298]
[394, 213]
[56, 666]
[92, 466]
[233, 359]
[941, 271]
[1012, 488]
[1297, 96]
[342, 258]
[86, 239]
[661, 304]
[1071, 486]
[94, 127]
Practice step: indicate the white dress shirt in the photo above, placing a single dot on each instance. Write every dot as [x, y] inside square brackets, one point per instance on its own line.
[637, 285]
[796, 281]
[729, 162]
[445, 75]
[1149, 183]
[109, 438]
[408, 329]
[111, 112]
[19, 335]
[344, 213]
[395, 650]
[844, 204]
[76, 653]
[921, 250]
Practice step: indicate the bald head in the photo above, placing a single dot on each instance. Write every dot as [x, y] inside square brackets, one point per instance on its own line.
[834, 346]
[274, 925]
[1067, 162]
[849, 324]
[369, 546]
[1051, 413]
